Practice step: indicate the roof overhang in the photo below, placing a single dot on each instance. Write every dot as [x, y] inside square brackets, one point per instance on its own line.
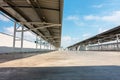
[106, 36]
[43, 17]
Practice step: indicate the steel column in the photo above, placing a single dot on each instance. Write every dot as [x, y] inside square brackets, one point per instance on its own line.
[22, 36]
[117, 41]
[50, 46]
[14, 35]
[44, 45]
[99, 44]
[40, 42]
[36, 41]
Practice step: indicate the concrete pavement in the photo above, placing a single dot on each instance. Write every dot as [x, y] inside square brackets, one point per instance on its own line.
[63, 65]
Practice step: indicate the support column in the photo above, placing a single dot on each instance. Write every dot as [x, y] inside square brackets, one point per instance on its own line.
[40, 42]
[78, 48]
[22, 36]
[50, 46]
[53, 47]
[14, 35]
[89, 46]
[44, 45]
[117, 41]
[36, 41]
[99, 44]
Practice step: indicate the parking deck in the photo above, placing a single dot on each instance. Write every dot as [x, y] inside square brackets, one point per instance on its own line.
[63, 65]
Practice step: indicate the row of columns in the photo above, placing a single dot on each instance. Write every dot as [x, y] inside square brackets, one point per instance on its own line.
[39, 41]
[108, 46]
[14, 35]
[81, 47]
[99, 46]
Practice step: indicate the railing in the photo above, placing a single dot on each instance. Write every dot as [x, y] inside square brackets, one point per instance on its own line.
[105, 47]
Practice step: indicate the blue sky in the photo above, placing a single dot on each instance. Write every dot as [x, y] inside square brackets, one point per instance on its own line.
[85, 18]
[81, 19]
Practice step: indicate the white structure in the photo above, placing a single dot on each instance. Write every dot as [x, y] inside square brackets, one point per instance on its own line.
[7, 41]
[6, 45]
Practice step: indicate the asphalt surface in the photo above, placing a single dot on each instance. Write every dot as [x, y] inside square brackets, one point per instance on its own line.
[63, 65]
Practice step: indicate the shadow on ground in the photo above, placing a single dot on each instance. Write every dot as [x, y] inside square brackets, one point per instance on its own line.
[61, 73]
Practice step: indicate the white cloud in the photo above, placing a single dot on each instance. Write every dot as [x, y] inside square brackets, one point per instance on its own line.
[79, 23]
[91, 17]
[76, 20]
[68, 40]
[98, 6]
[100, 30]
[3, 18]
[27, 35]
[9, 30]
[72, 17]
[113, 17]
[86, 35]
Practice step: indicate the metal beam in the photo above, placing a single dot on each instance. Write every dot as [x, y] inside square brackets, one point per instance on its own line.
[13, 17]
[42, 23]
[18, 11]
[60, 17]
[33, 4]
[38, 28]
[53, 36]
[21, 13]
[35, 7]
[42, 17]
[25, 17]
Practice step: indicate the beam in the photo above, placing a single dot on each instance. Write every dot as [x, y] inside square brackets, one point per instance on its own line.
[39, 13]
[26, 18]
[60, 18]
[21, 13]
[35, 7]
[56, 37]
[38, 28]
[18, 11]
[42, 23]
[13, 17]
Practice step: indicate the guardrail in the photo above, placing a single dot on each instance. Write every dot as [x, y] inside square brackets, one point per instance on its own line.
[19, 50]
[105, 47]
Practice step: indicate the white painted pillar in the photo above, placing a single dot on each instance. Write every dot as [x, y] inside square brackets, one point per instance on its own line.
[36, 41]
[117, 38]
[40, 43]
[14, 35]
[22, 36]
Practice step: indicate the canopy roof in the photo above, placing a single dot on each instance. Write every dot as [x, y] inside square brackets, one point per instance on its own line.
[106, 36]
[43, 17]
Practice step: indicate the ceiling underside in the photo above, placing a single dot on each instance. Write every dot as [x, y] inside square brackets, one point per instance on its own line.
[106, 36]
[43, 17]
